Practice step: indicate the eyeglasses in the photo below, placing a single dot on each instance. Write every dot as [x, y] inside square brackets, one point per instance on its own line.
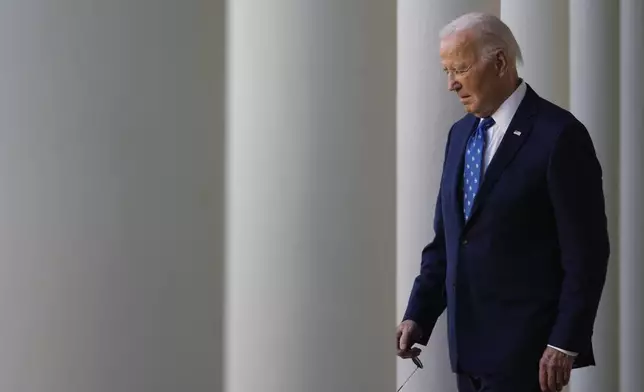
[454, 73]
[419, 365]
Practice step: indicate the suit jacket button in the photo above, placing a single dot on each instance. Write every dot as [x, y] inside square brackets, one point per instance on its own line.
[464, 242]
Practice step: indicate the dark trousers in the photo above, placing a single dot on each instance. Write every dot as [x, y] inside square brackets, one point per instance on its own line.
[514, 383]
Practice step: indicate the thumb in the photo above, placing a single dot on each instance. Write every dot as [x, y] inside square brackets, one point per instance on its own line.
[404, 340]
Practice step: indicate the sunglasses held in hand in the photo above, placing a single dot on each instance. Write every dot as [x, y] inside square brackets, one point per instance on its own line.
[419, 365]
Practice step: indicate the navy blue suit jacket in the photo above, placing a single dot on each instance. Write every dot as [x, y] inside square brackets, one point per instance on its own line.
[528, 268]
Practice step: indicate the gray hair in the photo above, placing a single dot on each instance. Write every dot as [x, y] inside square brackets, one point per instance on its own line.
[491, 32]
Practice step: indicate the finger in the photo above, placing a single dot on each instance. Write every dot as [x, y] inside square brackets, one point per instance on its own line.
[406, 354]
[552, 379]
[543, 378]
[402, 353]
[559, 379]
[566, 378]
[404, 340]
[398, 335]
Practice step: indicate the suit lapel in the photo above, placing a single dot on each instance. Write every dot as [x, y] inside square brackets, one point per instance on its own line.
[516, 134]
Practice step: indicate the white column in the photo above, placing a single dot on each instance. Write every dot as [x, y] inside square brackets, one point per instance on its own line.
[632, 189]
[110, 193]
[310, 298]
[426, 110]
[541, 28]
[594, 99]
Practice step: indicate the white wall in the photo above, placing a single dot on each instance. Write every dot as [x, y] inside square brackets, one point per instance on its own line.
[110, 195]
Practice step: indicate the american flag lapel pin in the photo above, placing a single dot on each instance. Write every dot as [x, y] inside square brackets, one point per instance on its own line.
[518, 133]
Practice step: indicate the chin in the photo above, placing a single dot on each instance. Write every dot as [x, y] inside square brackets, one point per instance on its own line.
[469, 109]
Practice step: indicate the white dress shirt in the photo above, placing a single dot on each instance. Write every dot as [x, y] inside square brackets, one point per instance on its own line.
[502, 118]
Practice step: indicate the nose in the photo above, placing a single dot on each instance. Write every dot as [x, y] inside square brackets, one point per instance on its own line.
[452, 84]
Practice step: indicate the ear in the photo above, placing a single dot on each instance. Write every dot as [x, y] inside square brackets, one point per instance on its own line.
[501, 63]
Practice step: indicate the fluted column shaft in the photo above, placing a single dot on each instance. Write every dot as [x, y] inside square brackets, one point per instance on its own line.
[541, 28]
[632, 187]
[594, 99]
[111, 195]
[311, 197]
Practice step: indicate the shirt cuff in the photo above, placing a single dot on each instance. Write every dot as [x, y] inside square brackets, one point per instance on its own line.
[572, 354]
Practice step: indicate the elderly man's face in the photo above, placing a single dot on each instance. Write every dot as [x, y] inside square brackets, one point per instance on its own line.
[473, 79]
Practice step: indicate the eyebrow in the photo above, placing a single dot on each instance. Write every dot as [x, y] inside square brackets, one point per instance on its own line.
[455, 66]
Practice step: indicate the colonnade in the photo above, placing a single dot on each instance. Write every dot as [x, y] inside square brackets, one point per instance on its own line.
[209, 196]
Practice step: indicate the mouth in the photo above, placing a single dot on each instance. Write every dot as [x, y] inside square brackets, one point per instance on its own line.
[464, 98]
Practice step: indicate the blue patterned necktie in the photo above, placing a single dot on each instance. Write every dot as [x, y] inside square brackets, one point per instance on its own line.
[473, 165]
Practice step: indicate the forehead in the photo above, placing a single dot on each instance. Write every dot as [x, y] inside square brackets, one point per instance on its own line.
[458, 47]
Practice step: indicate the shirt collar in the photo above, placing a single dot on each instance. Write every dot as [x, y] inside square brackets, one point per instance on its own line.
[504, 114]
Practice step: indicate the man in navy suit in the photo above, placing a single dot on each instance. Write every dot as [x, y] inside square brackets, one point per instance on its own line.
[521, 247]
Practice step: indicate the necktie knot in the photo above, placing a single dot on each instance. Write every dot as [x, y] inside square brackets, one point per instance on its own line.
[486, 123]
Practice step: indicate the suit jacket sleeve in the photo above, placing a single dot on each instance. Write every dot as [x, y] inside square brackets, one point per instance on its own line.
[575, 187]
[427, 298]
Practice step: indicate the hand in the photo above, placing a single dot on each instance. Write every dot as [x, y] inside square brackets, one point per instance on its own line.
[554, 370]
[407, 334]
